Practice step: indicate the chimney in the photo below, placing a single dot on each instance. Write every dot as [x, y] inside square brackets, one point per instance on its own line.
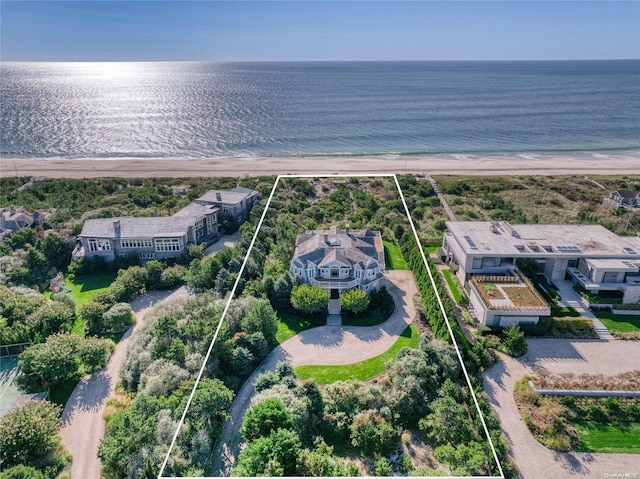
[116, 226]
[218, 196]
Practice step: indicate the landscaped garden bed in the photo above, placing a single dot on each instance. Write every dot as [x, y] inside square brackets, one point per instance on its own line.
[587, 424]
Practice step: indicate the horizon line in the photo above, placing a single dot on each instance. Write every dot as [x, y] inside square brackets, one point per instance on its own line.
[325, 61]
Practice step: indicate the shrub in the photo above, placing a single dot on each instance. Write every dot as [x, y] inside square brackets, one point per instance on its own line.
[383, 468]
[406, 465]
[372, 434]
[265, 417]
[309, 298]
[513, 342]
[161, 377]
[22, 472]
[172, 277]
[29, 433]
[118, 318]
[92, 314]
[354, 300]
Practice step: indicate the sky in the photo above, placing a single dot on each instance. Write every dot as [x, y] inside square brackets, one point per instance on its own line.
[317, 30]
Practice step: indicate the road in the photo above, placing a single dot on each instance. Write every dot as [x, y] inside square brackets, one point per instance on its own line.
[562, 356]
[82, 424]
[322, 345]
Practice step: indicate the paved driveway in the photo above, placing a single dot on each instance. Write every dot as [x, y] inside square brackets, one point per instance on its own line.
[321, 345]
[82, 423]
[562, 356]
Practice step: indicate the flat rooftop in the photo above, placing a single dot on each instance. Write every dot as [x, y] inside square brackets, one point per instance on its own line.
[502, 238]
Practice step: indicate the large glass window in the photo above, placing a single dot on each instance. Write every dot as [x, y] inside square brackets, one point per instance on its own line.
[99, 244]
[135, 243]
[477, 263]
[168, 244]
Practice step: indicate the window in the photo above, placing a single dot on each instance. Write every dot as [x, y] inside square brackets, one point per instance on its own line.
[311, 272]
[477, 263]
[99, 244]
[168, 244]
[146, 256]
[225, 208]
[135, 243]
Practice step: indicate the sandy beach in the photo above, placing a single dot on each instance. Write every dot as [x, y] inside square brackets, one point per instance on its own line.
[462, 164]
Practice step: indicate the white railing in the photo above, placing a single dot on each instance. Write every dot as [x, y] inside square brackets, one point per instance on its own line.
[342, 284]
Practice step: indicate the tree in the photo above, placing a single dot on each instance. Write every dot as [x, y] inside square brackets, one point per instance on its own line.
[242, 362]
[265, 417]
[309, 298]
[29, 433]
[372, 434]
[448, 423]
[54, 317]
[92, 313]
[261, 319]
[513, 341]
[272, 455]
[63, 358]
[209, 406]
[465, 459]
[154, 273]
[354, 300]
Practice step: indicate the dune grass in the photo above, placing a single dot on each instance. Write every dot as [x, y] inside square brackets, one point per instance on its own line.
[362, 370]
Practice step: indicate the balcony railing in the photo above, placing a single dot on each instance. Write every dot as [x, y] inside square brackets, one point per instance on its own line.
[335, 283]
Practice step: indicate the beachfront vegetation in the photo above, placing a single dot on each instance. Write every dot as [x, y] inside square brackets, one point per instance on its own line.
[572, 199]
[30, 444]
[61, 359]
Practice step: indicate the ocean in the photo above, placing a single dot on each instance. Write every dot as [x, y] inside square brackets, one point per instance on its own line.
[249, 110]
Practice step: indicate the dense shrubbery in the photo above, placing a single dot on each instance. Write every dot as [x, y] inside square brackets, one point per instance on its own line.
[27, 316]
[354, 300]
[63, 358]
[165, 352]
[29, 435]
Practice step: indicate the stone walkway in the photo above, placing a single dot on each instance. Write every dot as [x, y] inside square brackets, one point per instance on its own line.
[323, 345]
[561, 356]
[570, 298]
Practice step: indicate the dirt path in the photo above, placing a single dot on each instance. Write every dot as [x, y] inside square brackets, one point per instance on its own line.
[559, 355]
[82, 423]
[321, 345]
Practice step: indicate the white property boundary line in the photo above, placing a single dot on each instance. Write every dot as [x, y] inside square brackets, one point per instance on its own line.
[424, 259]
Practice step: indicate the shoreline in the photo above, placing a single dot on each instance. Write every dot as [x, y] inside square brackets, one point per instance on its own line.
[268, 166]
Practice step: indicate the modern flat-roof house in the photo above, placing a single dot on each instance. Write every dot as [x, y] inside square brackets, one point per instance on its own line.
[234, 204]
[339, 259]
[147, 237]
[588, 255]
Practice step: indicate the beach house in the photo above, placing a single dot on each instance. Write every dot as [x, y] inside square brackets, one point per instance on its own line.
[339, 259]
[148, 238]
[234, 204]
[589, 256]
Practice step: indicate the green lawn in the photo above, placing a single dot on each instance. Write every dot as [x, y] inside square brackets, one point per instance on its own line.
[393, 256]
[291, 324]
[363, 370]
[83, 288]
[623, 438]
[431, 249]
[452, 285]
[620, 322]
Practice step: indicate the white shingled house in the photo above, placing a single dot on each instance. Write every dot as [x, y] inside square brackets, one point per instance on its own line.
[339, 259]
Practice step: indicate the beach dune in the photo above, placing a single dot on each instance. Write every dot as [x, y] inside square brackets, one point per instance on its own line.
[461, 164]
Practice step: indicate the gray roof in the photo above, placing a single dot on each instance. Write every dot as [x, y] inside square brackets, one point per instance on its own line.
[500, 238]
[232, 197]
[195, 211]
[353, 248]
[146, 227]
